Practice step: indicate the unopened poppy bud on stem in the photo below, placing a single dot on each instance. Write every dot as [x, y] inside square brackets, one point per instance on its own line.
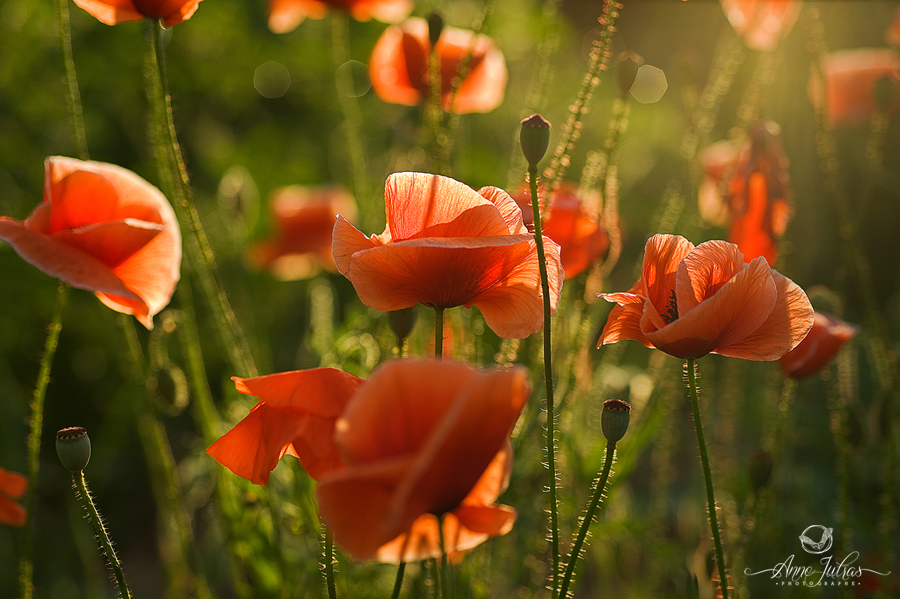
[402, 321]
[614, 419]
[534, 137]
[73, 446]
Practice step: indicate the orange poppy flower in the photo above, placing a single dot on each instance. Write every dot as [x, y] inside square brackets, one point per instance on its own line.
[762, 23]
[112, 12]
[12, 486]
[104, 229]
[398, 67]
[892, 34]
[447, 245]
[570, 222]
[850, 79]
[827, 336]
[304, 219]
[755, 181]
[691, 301]
[419, 438]
[423, 438]
[295, 416]
[286, 15]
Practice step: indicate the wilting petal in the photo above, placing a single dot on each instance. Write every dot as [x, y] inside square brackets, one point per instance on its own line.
[298, 409]
[788, 323]
[420, 205]
[827, 336]
[435, 271]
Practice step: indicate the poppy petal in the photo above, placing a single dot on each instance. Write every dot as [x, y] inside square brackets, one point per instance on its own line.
[514, 308]
[435, 271]
[388, 69]
[347, 240]
[12, 484]
[704, 271]
[421, 205]
[110, 12]
[286, 15]
[827, 336]
[484, 87]
[111, 242]
[662, 255]
[11, 513]
[386, 11]
[62, 261]
[508, 207]
[788, 323]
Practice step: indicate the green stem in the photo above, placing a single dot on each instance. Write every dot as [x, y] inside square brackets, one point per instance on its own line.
[176, 183]
[599, 488]
[36, 424]
[691, 371]
[73, 96]
[398, 581]
[88, 503]
[438, 333]
[328, 564]
[548, 378]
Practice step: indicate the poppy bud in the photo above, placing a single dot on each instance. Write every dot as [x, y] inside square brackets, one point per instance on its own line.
[73, 446]
[402, 322]
[614, 419]
[760, 469]
[435, 27]
[534, 137]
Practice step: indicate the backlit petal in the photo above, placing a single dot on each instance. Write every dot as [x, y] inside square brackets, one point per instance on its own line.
[704, 271]
[111, 12]
[662, 255]
[827, 336]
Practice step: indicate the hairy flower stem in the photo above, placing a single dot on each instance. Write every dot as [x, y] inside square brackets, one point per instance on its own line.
[548, 377]
[596, 498]
[36, 425]
[84, 496]
[691, 373]
[176, 185]
[328, 564]
[73, 96]
[398, 581]
[438, 333]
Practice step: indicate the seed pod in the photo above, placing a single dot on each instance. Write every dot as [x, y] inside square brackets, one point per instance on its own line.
[614, 419]
[73, 446]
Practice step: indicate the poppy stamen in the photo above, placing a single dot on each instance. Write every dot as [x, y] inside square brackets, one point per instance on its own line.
[671, 314]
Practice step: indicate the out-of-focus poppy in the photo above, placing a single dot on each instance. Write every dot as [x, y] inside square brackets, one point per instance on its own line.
[850, 80]
[304, 219]
[572, 223]
[827, 336]
[398, 67]
[447, 245]
[762, 23]
[286, 15]
[892, 34]
[112, 12]
[12, 486]
[423, 438]
[104, 229]
[753, 179]
[691, 301]
[418, 439]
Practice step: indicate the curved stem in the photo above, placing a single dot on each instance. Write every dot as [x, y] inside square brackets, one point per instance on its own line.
[691, 371]
[599, 488]
[398, 581]
[102, 537]
[548, 377]
[36, 423]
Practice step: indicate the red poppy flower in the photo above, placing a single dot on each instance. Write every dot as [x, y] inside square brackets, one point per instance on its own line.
[827, 336]
[755, 180]
[892, 34]
[762, 23]
[398, 68]
[304, 219]
[691, 301]
[419, 438]
[12, 486]
[850, 80]
[112, 12]
[286, 15]
[447, 245]
[570, 222]
[104, 229]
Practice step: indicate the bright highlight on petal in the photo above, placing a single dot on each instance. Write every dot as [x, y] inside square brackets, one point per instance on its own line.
[762, 23]
[112, 12]
[691, 301]
[286, 15]
[104, 229]
[447, 245]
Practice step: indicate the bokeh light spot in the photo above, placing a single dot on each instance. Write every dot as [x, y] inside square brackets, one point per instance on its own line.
[649, 85]
[271, 79]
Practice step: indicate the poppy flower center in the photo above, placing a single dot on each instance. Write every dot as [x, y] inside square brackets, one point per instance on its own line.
[671, 314]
